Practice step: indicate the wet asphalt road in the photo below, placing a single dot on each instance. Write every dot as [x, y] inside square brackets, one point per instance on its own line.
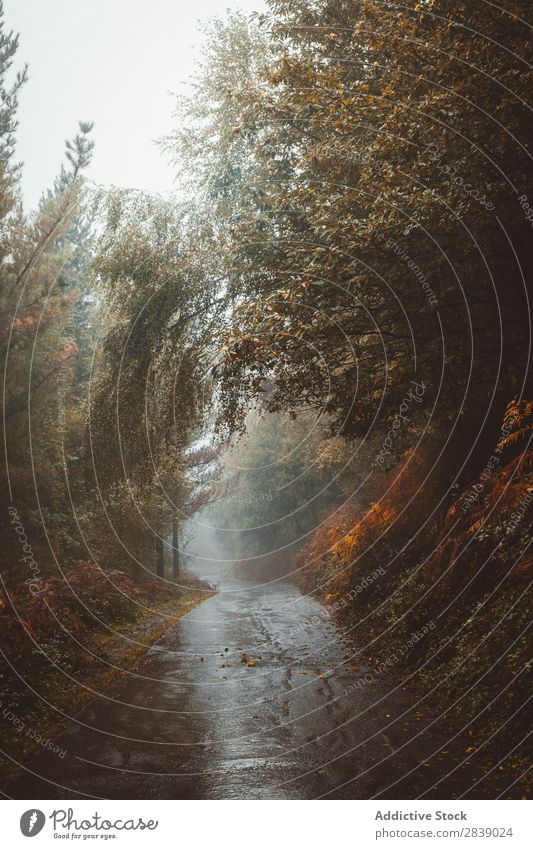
[195, 721]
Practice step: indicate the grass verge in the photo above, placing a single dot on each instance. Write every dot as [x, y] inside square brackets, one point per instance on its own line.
[64, 675]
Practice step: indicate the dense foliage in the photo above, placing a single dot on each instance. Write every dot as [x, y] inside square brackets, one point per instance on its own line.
[98, 293]
[338, 305]
[369, 173]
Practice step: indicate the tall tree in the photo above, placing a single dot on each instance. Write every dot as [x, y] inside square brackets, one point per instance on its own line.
[42, 279]
[377, 228]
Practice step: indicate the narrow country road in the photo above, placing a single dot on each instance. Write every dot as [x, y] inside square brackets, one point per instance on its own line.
[196, 721]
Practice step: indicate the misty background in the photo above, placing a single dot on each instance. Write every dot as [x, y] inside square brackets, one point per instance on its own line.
[113, 62]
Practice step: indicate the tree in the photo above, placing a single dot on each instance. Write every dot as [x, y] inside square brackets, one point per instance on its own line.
[42, 282]
[158, 304]
[365, 248]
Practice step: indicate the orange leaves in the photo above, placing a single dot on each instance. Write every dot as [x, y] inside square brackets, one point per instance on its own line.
[338, 551]
[494, 510]
[70, 350]
[21, 325]
[73, 603]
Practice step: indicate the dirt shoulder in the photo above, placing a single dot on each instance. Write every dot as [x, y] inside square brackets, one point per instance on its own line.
[35, 710]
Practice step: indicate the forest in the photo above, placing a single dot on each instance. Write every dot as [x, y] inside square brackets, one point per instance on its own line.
[317, 357]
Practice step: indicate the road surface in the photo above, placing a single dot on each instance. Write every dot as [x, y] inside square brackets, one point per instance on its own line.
[254, 695]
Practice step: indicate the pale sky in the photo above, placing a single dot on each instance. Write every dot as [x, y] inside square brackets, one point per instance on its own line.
[108, 61]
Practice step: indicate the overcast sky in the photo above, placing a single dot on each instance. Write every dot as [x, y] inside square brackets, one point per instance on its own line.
[108, 61]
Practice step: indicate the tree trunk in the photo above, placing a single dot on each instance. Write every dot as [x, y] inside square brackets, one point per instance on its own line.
[175, 548]
[159, 558]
